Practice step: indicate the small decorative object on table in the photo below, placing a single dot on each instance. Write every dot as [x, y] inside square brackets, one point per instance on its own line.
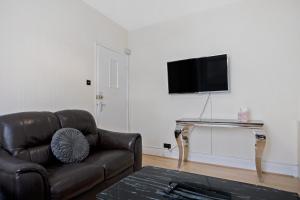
[243, 115]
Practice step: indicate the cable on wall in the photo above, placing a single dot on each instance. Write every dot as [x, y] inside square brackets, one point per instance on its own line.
[208, 99]
[205, 105]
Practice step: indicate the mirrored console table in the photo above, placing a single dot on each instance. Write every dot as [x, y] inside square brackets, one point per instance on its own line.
[183, 127]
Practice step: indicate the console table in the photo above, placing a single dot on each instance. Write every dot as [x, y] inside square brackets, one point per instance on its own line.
[183, 127]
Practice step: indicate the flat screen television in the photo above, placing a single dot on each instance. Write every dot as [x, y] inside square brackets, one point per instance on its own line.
[206, 74]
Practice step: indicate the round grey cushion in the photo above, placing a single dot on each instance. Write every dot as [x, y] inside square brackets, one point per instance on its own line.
[69, 145]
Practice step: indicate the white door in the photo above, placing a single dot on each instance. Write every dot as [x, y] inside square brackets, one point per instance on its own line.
[112, 90]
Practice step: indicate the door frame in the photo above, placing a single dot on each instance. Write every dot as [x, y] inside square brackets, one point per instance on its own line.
[96, 78]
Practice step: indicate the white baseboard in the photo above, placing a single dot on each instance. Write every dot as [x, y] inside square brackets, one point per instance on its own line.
[278, 168]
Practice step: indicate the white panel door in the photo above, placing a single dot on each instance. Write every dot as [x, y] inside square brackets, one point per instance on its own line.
[112, 90]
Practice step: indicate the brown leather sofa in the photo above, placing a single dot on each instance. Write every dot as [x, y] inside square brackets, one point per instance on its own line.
[29, 171]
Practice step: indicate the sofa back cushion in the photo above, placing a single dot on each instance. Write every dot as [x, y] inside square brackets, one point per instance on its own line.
[28, 135]
[82, 121]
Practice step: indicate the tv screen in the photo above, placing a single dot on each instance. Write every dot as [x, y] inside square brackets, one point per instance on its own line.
[207, 74]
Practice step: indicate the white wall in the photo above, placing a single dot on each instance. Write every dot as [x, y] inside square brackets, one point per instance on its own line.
[47, 51]
[298, 129]
[262, 41]
[298, 148]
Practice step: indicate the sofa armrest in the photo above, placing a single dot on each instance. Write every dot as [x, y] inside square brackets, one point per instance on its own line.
[21, 179]
[127, 141]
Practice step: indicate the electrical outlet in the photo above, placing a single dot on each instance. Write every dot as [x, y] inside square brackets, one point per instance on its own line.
[167, 146]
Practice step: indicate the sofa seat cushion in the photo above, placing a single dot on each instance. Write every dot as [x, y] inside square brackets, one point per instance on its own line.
[67, 181]
[113, 161]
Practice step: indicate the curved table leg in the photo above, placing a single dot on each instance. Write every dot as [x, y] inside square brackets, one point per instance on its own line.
[181, 136]
[259, 148]
[180, 148]
[185, 138]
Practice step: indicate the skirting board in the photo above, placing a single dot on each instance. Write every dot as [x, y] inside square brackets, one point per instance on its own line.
[278, 168]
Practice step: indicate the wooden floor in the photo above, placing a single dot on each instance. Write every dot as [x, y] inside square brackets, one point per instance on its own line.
[280, 182]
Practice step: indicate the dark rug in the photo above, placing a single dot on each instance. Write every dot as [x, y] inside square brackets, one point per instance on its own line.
[153, 183]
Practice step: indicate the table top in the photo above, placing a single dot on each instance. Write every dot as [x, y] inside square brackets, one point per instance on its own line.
[151, 182]
[221, 122]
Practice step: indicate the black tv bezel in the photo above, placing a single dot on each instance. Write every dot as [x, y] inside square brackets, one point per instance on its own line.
[203, 92]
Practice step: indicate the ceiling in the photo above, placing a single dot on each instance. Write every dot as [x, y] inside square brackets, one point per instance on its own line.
[135, 14]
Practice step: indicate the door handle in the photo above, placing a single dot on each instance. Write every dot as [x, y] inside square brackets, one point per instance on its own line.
[101, 105]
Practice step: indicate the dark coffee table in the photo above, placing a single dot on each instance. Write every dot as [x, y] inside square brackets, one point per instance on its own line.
[151, 182]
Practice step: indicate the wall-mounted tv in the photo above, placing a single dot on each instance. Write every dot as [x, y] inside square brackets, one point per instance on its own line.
[206, 74]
